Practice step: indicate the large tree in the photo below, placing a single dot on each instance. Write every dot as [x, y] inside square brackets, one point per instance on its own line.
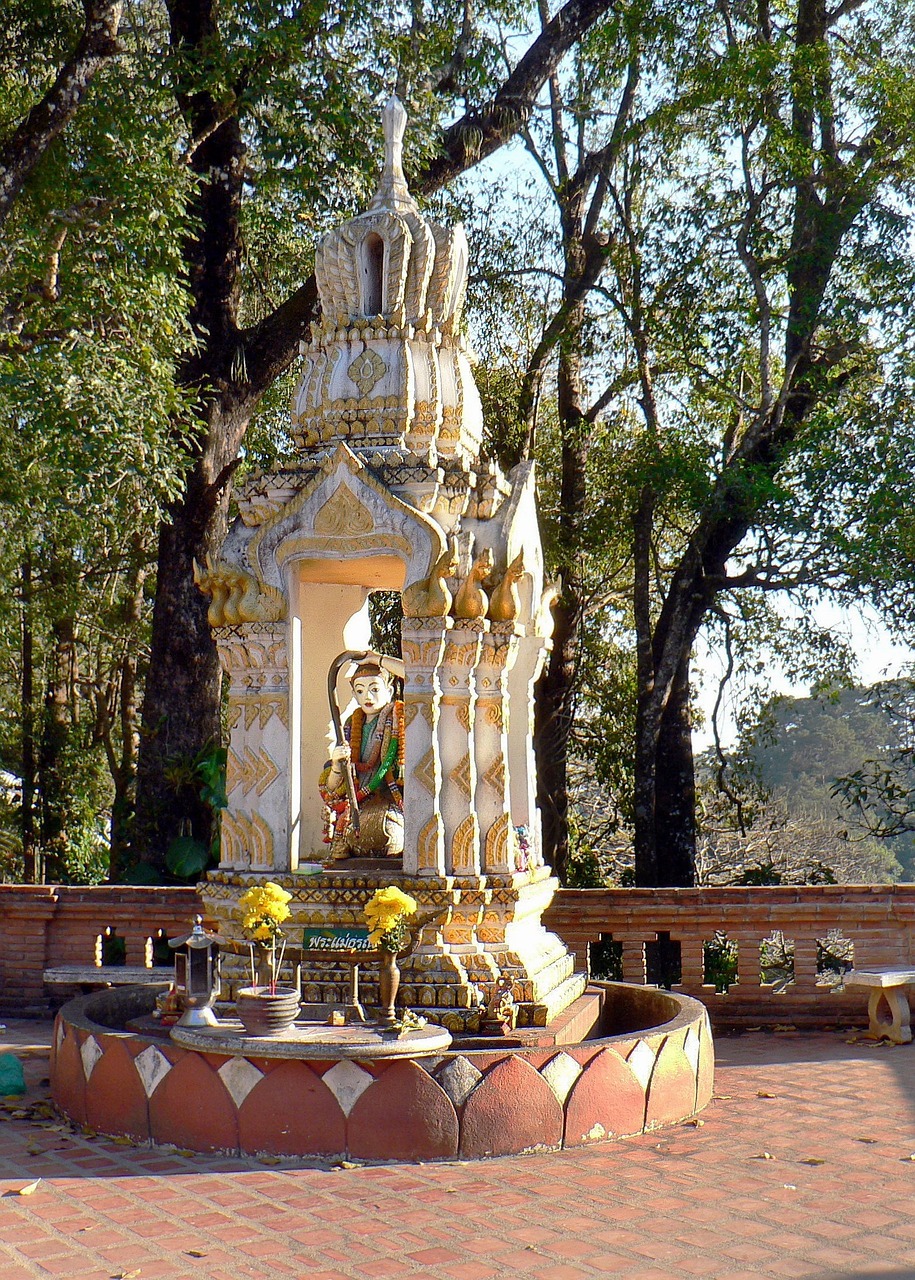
[814, 101]
[91, 305]
[726, 318]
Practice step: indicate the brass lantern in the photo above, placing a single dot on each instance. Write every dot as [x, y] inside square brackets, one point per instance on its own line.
[196, 975]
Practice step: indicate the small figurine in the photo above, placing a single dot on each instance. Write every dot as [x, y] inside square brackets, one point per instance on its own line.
[471, 600]
[362, 783]
[505, 602]
[430, 598]
[500, 1013]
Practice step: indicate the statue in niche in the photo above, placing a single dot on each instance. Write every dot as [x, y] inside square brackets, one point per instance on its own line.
[362, 783]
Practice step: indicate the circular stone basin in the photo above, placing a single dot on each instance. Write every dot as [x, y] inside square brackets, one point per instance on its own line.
[648, 1063]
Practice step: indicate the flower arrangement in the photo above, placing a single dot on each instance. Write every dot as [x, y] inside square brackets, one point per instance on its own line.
[265, 908]
[386, 914]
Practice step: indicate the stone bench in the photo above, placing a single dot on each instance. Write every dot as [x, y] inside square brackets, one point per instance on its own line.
[888, 996]
[107, 975]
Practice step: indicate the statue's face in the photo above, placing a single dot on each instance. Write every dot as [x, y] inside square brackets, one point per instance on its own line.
[373, 693]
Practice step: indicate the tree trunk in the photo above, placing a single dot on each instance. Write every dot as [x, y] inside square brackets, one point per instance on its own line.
[675, 789]
[124, 765]
[54, 776]
[554, 713]
[555, 708]
[181, 707]
[29, 848]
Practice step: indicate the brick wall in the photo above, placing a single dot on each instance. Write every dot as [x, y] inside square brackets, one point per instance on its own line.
[879, 920]
[42, 926]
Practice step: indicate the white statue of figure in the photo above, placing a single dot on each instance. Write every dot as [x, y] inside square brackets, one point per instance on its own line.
[362, 783]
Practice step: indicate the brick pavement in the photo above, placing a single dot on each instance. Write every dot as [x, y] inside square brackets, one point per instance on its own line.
[726, 1199]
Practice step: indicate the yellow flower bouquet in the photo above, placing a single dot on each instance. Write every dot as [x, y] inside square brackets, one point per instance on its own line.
[264, 908]
[387, 914]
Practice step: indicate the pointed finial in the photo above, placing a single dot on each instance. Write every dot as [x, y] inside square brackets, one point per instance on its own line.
[392, 190]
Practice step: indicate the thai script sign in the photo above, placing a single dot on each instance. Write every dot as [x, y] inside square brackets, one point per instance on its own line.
[345, 939]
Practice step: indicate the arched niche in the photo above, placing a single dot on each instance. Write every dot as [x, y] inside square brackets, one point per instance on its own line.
[329, 613]
[371, 262]
[339, 539]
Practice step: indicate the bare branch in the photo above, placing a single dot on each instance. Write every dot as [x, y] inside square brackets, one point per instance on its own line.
[482, 130]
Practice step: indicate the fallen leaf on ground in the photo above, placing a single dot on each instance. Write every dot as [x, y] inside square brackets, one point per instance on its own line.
[195, 1253]
[761, 1093]
[907, 1158]
[789, 1186]
[813, 1160]
[867, 1139]
[29, 1188]
[127, 1275]
[763, 1155]
[694, 1124]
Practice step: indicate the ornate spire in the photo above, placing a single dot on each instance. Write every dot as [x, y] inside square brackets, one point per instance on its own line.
[392, 190]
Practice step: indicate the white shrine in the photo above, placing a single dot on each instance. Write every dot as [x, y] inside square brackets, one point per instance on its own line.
[386, 491]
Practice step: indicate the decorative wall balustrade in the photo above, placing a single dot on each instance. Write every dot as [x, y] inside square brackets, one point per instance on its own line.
[755, 956]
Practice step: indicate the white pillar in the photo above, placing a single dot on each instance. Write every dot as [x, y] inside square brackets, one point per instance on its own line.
[424, 846]
[456, 748]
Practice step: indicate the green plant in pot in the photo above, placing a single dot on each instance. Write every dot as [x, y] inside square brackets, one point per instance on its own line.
[266, 1008]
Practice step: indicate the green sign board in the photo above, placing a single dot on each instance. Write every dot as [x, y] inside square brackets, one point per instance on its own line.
[345, 939]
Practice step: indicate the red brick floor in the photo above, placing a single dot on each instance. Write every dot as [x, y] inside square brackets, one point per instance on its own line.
[799, 1168]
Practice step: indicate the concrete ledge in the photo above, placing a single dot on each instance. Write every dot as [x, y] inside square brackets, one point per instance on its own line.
[106, 975]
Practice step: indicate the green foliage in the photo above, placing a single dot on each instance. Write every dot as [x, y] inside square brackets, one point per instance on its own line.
[186, 858]
[605, 959]
[386, 614]
[720, 960]
[205, 775]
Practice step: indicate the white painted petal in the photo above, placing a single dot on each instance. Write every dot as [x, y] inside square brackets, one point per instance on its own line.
[641, 1060]
[90, 1052]
[560, 1073]
[152, 1068]
[239, 1076]
[459, 1077]
[347, 1083]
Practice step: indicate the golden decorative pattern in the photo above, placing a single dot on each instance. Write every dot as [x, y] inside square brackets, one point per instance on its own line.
[343, 515]
[463, 847]
[495, 775]
[495, 715]
[367, 370]
[246, 838]
[425, 771]
[460, 775]
[427, 845]
[497, 849]
[259, 711]
[256, 771]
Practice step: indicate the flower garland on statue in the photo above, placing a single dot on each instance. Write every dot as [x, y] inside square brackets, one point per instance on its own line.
[387, 913]
[265, 908]
[384, 764]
